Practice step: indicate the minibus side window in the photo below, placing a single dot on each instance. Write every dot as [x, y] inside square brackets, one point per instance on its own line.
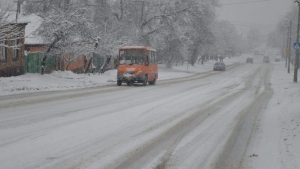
[152, 57]
[148, 57]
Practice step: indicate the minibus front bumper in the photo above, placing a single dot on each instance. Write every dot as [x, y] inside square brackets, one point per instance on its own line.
[131, 78]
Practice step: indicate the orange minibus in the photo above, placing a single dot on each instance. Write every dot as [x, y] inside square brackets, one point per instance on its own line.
[137, 64]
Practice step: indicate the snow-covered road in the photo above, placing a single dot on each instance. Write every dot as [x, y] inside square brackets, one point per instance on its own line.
[202, 121]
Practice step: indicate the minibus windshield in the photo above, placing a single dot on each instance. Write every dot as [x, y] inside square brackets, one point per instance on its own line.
[131, 56]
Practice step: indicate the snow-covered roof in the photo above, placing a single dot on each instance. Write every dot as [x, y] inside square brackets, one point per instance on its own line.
[33, 22]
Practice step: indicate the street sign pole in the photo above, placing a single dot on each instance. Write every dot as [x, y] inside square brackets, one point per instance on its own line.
[287, 47]
[297, 51]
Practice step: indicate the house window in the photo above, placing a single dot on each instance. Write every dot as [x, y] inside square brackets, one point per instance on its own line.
[16, 48]
[3, 50]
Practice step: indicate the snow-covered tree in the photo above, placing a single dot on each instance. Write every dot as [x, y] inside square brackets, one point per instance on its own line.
[228, 40]
[178, 29]
[169, 24]
[278, 37]
[76, 28]
[68, 30]
[67, 27]
[254, 38]
[200, 33]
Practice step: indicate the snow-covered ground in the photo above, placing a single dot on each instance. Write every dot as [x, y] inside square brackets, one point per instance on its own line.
[275, 139]
[276, 142]
[62, 80]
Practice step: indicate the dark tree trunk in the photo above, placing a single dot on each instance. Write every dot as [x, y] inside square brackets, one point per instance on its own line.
[57, 39]
[88, 66]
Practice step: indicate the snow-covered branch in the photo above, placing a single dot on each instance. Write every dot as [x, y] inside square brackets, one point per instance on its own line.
[9, 29]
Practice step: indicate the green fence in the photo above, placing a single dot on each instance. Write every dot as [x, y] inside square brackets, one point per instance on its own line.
[97, 61]
[33, 62]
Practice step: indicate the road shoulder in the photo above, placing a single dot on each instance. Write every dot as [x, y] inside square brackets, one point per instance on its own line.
[276, 142]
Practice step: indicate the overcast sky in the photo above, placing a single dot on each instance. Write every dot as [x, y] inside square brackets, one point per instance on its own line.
[263, 14]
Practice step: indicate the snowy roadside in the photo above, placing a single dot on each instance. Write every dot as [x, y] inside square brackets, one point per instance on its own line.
[276, 141]
[276, 138]
[63, 80]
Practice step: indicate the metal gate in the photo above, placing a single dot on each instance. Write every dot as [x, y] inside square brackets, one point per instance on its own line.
[33, 62]
[97, 61]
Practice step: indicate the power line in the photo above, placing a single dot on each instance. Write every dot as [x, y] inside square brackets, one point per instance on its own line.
[257, 26]
[251, 24]
[239, 3]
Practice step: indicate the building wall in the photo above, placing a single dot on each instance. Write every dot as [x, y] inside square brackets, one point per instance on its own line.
[35, 48]
[76, 66]
[13, 66]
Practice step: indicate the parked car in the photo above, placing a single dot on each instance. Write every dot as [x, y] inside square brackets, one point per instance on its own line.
[266, 59]
[249, 60]
[219, 66]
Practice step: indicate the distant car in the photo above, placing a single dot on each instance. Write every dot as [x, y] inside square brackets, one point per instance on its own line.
[277, 59]
[249, 60]
[219, 66]
[266, 59]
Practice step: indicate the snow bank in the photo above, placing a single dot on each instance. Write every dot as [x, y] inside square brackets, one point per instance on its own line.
[62, 80]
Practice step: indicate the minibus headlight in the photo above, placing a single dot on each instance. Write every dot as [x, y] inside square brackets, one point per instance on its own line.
[139, 72]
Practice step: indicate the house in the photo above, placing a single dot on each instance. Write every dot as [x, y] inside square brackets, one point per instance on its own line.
[12, 48]
[34, 46]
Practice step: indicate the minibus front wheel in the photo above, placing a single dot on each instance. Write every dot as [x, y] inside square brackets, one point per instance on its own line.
[119, 82]
[145, 81]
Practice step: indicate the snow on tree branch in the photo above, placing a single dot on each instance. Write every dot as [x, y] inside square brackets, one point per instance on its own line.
[9, 29]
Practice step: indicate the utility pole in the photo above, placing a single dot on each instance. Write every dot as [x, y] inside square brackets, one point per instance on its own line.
[283, 54]
[290, 44]
[287, 46]
[18, 10]
[297, 51]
